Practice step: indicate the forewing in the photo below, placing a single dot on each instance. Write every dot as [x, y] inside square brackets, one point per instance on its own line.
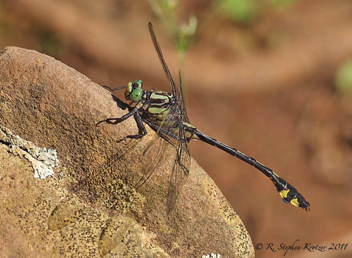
[162, 60]
[181, 102]
[176, 116]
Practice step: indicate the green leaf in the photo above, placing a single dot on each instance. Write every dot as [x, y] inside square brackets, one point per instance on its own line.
[344, 77]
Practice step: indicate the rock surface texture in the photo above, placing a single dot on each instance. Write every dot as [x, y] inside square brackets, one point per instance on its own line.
[69, 188]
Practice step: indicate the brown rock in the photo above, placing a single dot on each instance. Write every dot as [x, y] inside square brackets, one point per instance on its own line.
[98, 202]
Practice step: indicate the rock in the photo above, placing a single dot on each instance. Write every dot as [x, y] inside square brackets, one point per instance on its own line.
[80, 192]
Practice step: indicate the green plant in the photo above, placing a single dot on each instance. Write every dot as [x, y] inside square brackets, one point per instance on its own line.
[343, 79]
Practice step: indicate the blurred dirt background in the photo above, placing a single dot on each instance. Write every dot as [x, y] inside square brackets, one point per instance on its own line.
[270, 78]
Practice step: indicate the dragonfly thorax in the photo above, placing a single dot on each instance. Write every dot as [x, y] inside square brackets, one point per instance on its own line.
[134, 91]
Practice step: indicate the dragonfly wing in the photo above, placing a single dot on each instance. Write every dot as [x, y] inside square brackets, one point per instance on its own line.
[182, 101]
[177, 115]
[150, 160]
[181, 166]
[162, 60]
[178, 94]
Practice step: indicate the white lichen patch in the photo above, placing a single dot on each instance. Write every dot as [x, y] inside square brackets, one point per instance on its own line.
[212, 255]
[42, 159]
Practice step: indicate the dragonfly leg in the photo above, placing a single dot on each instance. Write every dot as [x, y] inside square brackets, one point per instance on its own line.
[142, 131]
[119, 120]
[137, 117]
[110, 89]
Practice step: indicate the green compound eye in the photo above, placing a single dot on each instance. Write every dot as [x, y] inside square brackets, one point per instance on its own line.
[139, 82]
[134, 91]
[136, 94]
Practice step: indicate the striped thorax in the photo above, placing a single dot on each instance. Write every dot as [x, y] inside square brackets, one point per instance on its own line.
[154, 105]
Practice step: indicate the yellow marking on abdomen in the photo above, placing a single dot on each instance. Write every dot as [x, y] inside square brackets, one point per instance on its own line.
[284, 193]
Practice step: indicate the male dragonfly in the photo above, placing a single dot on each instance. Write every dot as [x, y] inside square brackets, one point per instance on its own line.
[166, 114]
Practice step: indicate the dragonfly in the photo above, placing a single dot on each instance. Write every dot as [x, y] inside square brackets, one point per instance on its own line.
[166, 114]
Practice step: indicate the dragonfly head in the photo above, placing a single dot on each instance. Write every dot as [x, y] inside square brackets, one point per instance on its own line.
[134, 91]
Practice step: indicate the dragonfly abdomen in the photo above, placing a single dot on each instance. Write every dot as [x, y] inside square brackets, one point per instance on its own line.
[288, 193]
